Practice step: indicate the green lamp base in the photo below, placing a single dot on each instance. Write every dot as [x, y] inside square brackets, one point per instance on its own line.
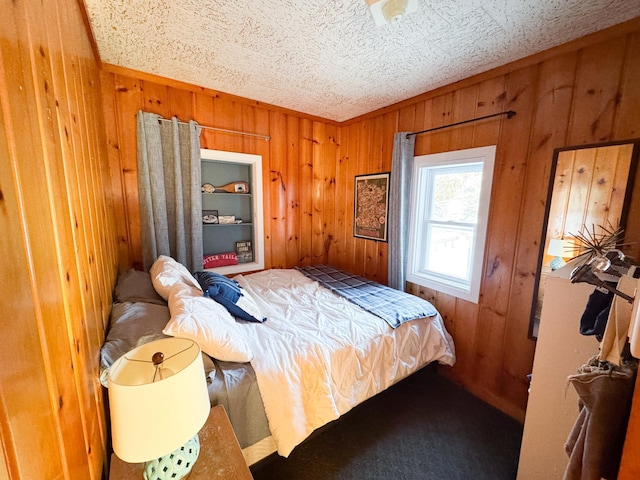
[557, 263]
[175, 465]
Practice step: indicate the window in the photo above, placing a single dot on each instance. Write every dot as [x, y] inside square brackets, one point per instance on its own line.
[449, 214]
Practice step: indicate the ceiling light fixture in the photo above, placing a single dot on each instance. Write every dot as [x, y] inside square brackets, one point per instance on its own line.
[390, 11]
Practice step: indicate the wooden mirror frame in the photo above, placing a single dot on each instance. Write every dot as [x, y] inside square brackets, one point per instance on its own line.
[631, 203]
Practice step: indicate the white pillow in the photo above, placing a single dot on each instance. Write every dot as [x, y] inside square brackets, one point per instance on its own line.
[207, 323]
[166, 272]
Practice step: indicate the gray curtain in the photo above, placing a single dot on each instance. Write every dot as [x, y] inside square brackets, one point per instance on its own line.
[399, 201]
[169, 190]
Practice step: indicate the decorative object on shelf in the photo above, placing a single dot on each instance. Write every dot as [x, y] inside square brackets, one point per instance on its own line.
[208, 188]
[209, 216]
[226, 219]
[244, 251]
[560, 249]
[219, 260]
[371, 204]
[159, 401]
[233, 187]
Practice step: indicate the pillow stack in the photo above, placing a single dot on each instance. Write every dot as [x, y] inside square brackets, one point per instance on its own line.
[202, 319]
[230, 295]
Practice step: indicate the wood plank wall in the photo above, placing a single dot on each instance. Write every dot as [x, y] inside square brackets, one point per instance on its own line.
[58, 244]
[581, 93]
[589, 189]
[298, 162]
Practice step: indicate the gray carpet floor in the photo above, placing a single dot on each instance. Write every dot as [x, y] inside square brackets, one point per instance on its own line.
[423, 428]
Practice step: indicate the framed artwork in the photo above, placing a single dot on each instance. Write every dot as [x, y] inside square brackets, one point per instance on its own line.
[371, 206]
[209, 216]
[244, 251]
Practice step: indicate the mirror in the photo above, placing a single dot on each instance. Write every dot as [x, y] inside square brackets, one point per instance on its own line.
[590, 190]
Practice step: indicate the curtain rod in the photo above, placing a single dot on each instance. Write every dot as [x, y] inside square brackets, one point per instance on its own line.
[234, 132]
[509, 114]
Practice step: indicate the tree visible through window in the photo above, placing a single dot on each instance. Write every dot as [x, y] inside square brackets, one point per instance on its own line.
[452, 219]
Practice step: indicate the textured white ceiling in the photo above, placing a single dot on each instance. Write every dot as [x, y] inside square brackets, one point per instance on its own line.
[327, 57]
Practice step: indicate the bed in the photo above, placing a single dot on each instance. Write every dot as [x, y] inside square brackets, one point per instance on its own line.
[294, 355]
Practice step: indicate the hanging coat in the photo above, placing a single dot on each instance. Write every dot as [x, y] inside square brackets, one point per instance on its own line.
[595, 443]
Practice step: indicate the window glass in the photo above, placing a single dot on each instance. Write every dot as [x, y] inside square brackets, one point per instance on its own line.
[456, 194]
[449, 251]
[449, 214]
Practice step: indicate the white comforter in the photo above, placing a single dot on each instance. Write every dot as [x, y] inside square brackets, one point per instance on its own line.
[318, 355]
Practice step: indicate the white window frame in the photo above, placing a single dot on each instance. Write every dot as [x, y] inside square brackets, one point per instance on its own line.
[420, 196]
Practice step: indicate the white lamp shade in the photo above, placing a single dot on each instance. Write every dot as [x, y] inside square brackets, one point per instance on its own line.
[560, 248]
[150, 418]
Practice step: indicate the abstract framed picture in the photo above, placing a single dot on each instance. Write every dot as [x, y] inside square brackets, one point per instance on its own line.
[371, 206]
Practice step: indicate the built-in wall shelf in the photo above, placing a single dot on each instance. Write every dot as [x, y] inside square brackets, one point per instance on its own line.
[223, 168]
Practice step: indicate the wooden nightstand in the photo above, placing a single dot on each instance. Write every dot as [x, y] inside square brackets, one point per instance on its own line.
[220, 454]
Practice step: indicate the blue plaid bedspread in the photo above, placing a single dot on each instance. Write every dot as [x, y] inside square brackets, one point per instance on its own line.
[393, 306]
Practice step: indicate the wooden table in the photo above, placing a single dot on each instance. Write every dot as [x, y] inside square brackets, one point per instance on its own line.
[220, 455]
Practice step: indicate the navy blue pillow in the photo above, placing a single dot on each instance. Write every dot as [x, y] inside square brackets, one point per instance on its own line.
[219, 285]
[226, 292]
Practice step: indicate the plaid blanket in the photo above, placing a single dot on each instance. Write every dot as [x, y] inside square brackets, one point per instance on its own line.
[393, 306]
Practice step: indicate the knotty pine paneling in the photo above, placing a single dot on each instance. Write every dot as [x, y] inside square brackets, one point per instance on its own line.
[299, 162]
[589, 190]
[581, 96]
[58, 244]
[580, 93]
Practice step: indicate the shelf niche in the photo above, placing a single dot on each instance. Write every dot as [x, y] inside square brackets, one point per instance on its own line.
[220, 168]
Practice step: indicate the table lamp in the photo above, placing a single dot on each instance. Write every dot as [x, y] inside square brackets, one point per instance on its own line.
[560, 249]
[158, 402]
